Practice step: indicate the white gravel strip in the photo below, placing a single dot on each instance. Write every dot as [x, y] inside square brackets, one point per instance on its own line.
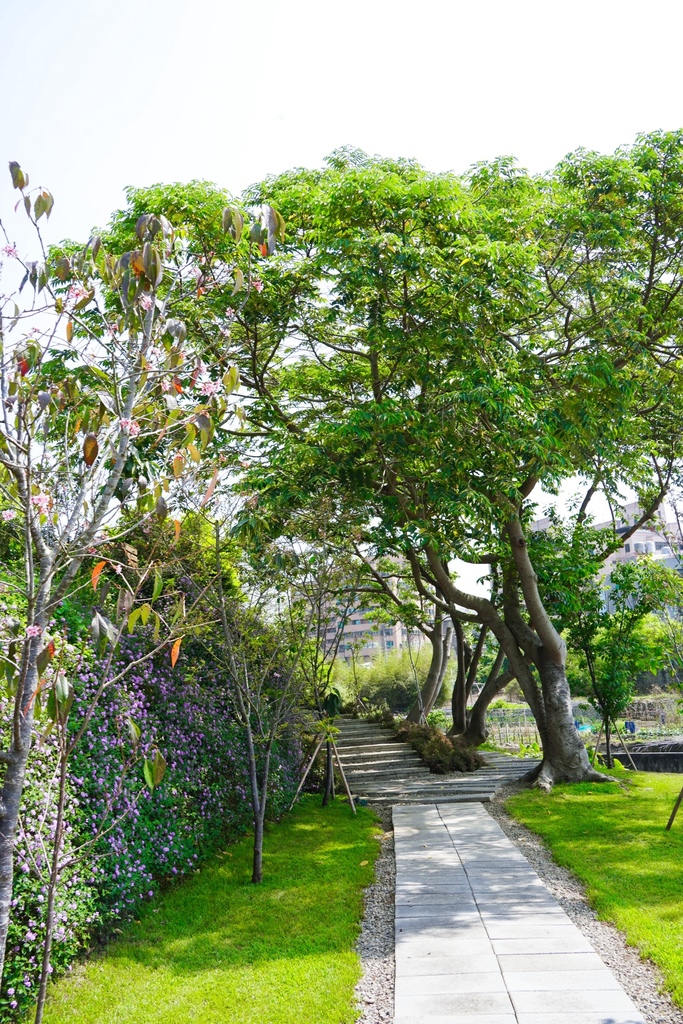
[640, 978]
[375, 990]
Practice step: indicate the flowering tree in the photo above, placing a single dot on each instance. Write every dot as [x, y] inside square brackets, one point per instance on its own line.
[103, 404]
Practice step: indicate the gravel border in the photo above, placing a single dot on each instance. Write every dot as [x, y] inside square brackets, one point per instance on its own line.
[375, 945]
[640, 978]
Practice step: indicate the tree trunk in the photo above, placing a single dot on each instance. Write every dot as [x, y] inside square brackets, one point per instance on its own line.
[459, 699]
[257, 864]
[329, 776]
[432, 685]
[565, 758]
[52, 891]
[476, 731]
[12, 788]
[608, 743]
[445, 658]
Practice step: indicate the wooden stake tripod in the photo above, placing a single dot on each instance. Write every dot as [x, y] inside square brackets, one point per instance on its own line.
[323, 737]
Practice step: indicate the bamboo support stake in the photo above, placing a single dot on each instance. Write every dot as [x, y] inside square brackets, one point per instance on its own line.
[597, 744]
[341, 772]
[628, 752]
[308, 768]
[675, 811]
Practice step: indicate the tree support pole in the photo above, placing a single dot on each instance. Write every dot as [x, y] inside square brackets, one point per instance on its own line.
[308, 768]
[628, 752]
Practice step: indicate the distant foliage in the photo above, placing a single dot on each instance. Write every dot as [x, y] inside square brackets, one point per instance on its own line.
[393, 679]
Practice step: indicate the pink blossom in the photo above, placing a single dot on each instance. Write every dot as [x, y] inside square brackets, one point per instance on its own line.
[146, 301]
[210, 387]
[32, 631]
[42, 502]
[165, 384]
[11, 251]
[131, 427]
[8, 514]
[257, 285]
[77, 292]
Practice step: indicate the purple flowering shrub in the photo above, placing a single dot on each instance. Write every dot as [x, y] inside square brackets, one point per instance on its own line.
[135, 840]
[77, 913]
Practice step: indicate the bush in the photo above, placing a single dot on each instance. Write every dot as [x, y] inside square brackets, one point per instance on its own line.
[438, 751]
[392, 679]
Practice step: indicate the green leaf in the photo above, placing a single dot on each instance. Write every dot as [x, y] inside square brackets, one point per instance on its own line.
[148, 769]
[158, 768]
[134, 731]
[158, 585]
[133, 618]
[19, 179]
[145, 613]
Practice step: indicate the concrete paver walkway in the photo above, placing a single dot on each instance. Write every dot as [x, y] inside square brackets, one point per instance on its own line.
[479, 939]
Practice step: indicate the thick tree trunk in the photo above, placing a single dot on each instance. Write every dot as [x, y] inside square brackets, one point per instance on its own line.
[565, 758]
[432, 684]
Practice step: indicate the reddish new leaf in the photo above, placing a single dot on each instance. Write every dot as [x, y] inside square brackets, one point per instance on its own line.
[211, 488]
[90, 449]
[175, 651]
[96, 573]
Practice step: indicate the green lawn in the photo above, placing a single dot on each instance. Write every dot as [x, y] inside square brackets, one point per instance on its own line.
[613, 837]
[218, 950]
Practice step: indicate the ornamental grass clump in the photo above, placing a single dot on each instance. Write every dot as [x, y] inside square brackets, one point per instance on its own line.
[440, 753]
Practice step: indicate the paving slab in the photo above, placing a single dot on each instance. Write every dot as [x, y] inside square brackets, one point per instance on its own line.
[479, 1018]
[552, 962]
[577, 1018]
[479, 939]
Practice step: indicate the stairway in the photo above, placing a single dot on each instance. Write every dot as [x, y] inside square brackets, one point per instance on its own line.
[382, 770]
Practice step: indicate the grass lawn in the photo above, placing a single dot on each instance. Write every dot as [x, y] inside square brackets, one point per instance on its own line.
[613, 837]
[218, 950]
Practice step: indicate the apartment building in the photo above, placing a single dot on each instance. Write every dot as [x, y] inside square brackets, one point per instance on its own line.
[364, 637]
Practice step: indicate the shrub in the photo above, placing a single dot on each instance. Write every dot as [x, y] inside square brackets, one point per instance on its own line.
[154, 837]
[438, 751]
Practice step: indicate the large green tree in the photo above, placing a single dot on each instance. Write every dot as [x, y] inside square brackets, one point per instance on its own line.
[433, 350]
[428, 351]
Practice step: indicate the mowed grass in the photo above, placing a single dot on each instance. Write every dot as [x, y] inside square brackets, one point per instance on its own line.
[613, 837]
[218, 950]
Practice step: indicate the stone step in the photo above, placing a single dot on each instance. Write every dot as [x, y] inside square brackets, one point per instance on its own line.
[419, 771]
[375, 749]
[442, 798]
[372, 748]
[389, 762]
[364, 739]
[380, 757]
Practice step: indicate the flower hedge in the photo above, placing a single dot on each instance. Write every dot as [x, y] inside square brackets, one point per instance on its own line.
[128, 841]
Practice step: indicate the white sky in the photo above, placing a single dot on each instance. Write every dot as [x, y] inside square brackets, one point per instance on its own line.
[96, 95]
